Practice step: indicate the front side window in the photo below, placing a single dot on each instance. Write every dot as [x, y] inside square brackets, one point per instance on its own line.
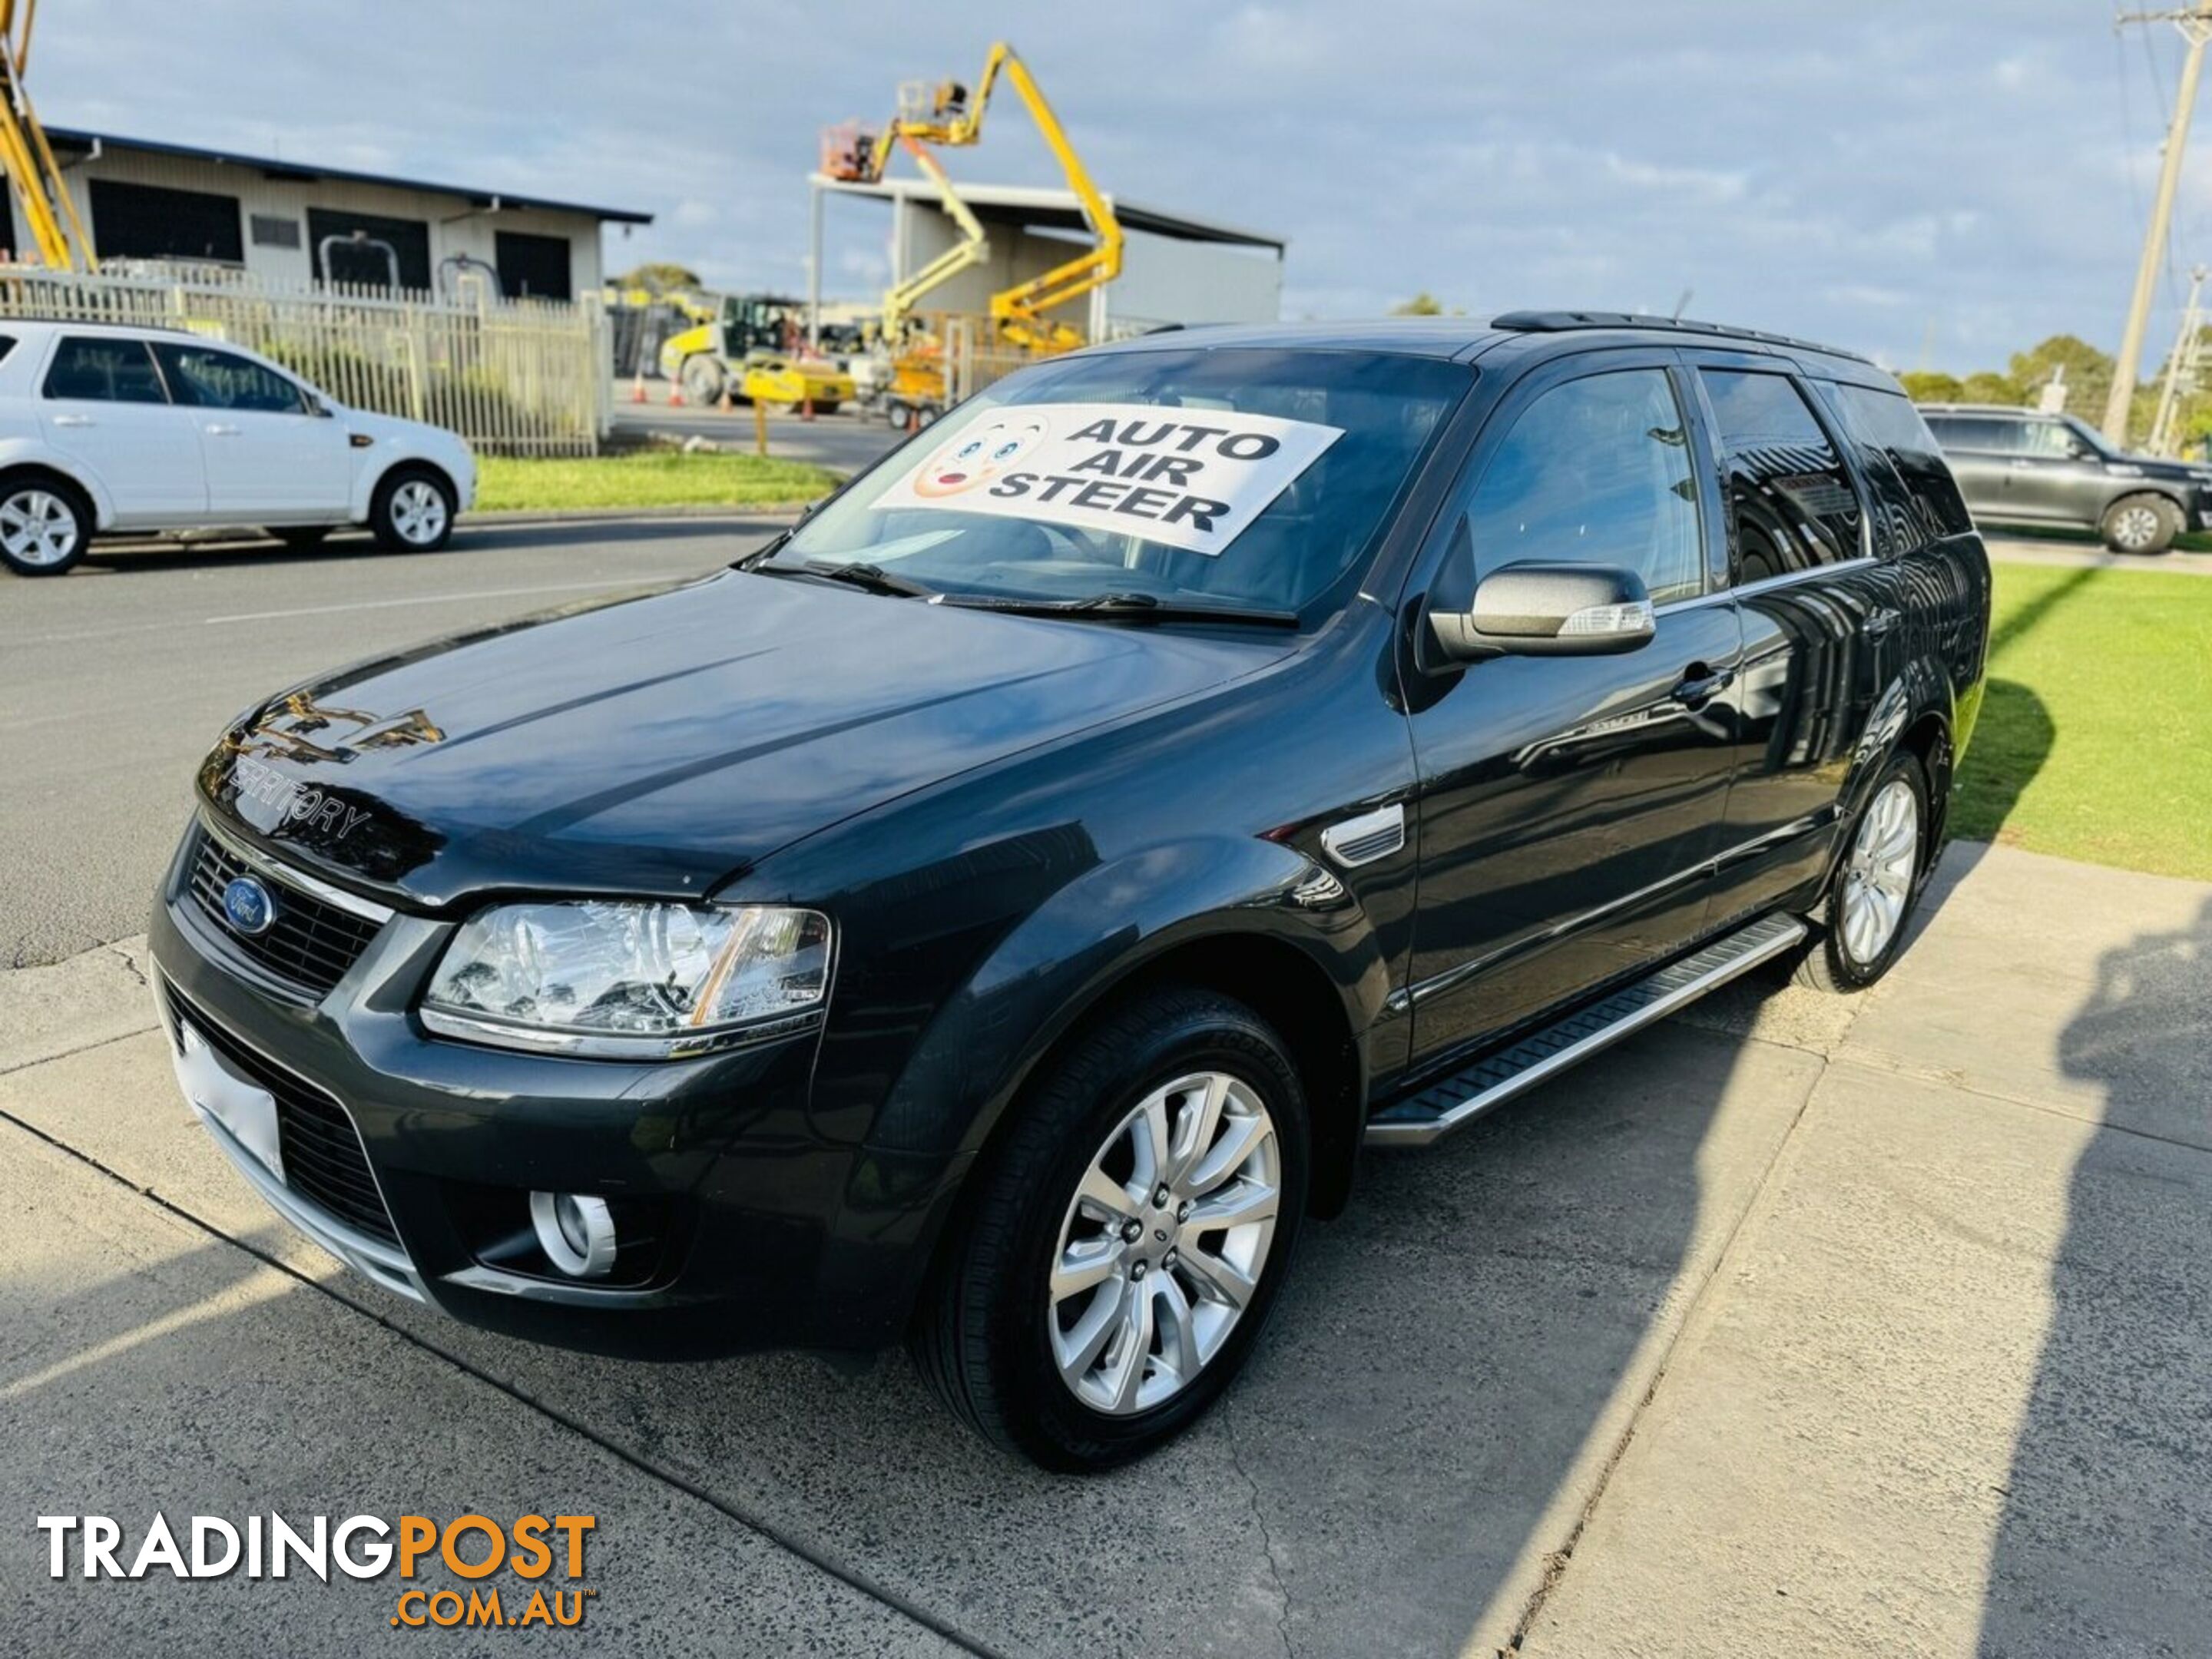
[2053, 440]
[1595, 471]
[110, 371]
[1791, 500]
[208, 379]
[1237, 478]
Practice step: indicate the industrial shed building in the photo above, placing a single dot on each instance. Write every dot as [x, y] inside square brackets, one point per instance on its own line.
[293, 222]
[1174, 268]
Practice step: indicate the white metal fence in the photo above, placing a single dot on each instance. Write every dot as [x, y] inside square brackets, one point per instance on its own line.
[513, 377]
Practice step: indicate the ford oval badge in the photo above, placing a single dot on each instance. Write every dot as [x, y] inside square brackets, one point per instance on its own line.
[247, 907]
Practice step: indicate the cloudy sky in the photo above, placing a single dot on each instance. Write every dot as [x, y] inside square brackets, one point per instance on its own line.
[1938, 181]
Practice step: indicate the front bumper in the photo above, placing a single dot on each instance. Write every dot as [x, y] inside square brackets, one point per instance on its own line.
[756, 1231]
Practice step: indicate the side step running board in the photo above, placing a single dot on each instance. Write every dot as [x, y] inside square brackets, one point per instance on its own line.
[1465, 1095]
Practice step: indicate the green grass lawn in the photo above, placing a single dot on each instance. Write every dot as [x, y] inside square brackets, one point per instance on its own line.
[653, 478]
[2095, 738]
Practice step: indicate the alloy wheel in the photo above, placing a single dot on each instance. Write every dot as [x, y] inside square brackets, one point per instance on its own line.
[2135, 529]
[1161, 1249]
[1878, 876]
[418, 512]
[38, 527]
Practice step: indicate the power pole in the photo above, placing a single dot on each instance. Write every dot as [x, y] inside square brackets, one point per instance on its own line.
[2195, 23]
[2180, 370]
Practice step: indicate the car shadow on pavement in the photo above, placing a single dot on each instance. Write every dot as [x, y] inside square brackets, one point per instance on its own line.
[2105, 1544]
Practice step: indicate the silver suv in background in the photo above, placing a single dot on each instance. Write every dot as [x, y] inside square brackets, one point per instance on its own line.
[105, 427]
[2022, 467]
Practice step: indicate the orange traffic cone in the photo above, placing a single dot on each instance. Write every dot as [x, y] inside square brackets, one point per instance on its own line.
[806, 407]
[723, 402]
[637, 388]
[913, 417]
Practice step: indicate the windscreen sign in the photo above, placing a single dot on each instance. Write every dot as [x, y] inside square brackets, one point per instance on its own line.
[1191, 478]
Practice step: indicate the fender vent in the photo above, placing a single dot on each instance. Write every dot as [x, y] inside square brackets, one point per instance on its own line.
[1370, 836]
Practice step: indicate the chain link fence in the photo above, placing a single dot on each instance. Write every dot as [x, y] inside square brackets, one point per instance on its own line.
[513, 377]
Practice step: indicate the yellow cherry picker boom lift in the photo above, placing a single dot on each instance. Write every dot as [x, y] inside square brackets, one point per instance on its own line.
[950, 113]
[972, 248]
[57, 231]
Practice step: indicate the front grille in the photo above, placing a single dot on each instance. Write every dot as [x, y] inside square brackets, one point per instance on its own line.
[323, 1157]
[311, 943]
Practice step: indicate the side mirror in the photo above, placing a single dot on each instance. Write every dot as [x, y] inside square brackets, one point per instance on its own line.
[1548, 610]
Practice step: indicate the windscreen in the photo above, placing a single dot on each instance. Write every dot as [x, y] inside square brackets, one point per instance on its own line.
[1243, 477]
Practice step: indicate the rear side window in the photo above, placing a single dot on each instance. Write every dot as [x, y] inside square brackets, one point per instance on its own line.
[1916, 499]
[1790, 499]
[1978, 432]
[6, 345]
[105, 371]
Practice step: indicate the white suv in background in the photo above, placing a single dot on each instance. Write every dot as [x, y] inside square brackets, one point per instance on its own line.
[105, 427]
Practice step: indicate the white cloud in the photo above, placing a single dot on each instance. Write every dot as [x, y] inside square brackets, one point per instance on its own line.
[1847, 181]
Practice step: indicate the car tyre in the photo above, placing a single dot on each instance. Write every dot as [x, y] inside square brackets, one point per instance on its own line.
[412, 510]
[1876, 884]
[1000, 1337]
[2142, 524]
[45, 524]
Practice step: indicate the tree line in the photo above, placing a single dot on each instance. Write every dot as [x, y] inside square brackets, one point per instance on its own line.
[2088, 377]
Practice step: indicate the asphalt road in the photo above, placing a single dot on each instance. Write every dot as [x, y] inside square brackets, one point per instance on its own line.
[114, 680]
[846, 441]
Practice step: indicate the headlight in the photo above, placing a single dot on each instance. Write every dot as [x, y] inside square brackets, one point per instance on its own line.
[626, 981]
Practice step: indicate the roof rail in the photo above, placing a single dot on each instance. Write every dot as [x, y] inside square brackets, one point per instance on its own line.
[1560, 322]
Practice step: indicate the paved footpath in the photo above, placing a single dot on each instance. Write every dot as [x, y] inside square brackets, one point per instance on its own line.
[2086, 553]
[1798, 1325]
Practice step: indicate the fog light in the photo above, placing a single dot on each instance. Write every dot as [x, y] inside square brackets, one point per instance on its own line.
[576, 1232]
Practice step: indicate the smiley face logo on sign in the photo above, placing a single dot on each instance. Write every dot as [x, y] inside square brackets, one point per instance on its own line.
[978, 456]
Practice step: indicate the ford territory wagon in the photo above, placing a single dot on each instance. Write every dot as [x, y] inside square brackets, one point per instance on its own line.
[999, 913]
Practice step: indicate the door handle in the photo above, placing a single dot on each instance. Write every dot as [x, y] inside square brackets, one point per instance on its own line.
[222, 431]
[2021, 465]
[72, 420]
[1700, 684]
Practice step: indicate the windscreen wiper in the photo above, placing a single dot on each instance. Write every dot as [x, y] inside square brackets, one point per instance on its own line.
[873, 577]
[1129, 607]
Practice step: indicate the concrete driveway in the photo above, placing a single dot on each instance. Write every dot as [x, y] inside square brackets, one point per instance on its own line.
[1800, 1325]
